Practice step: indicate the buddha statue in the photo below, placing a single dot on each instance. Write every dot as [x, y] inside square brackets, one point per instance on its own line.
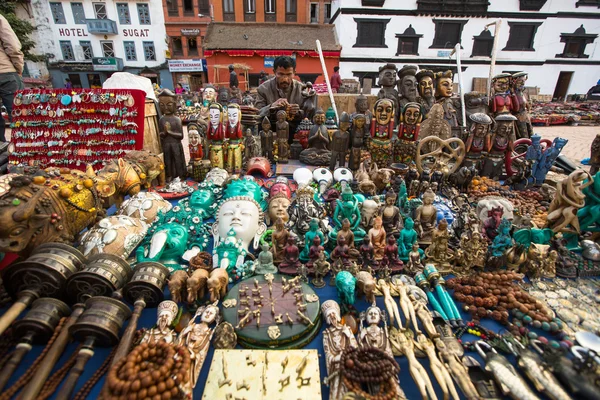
[425, 218]
[408, 237]
[347, 208]
[265, 262]
[390, 214]
[318, 152]
[278, 208]
[438, 253]
[309, 237]
[378, 236]
[171, 134]
[279, 239]
[241, 210]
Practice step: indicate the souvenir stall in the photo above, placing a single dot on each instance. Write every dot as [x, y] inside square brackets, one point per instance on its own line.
[414, 248]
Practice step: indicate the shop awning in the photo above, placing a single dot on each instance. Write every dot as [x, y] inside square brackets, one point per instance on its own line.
[271, 53]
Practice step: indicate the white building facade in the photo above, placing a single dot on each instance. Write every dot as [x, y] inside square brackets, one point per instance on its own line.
[555, 41]
[87, 40]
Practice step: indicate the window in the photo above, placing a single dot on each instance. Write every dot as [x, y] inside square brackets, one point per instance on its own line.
[143, 13]
[173, 8]
[482, 44]
[521, 36]
[123, 12]
[290, 10]
[314, 13]
[575, 43]
[149, 53]
[371, 32]
[250, 10]
[228, 10]
[58, 14]
[373, 76]
[593, 3]
[67, 50]
[327, 13]
[176, 46]
[86, 47]
[447, 33]
[188, 7]
[408, 42]
[78, 13]
[204, 7]
[192, 46]
[270, 6]
[108, 49]
[100, 10]
[130, 54]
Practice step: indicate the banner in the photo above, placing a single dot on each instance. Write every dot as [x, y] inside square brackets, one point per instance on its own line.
[195, 65]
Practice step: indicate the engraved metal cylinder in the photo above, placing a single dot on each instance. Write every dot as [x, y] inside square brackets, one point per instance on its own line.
[103, 274]
[102, 320]
[148, 283]
[42, 319]
[45, 272]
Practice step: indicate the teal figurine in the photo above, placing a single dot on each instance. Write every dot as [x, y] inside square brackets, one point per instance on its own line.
[402, 197]
[345, 284]
[589, 214]
[503, 241]
[408, 236]
[265, 262]
[230, 254]
[166, 245]
[309, 236]
[533, 235]
[347, 207]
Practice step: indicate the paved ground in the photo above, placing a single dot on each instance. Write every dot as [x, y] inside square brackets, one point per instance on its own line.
[580, 139]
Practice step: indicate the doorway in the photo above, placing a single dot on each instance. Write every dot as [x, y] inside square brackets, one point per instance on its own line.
[562, 85]
[75, 81]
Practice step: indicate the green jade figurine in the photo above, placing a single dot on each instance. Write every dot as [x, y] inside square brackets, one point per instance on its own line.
[347, 207]
[309, 237]
[408, 236]
[265, 262]
[589, 214]
[345, 284]
[229, 254]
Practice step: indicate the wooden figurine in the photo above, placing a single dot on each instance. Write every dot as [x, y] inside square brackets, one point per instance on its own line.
[266, 137]
[501, 101]
[279, 237]
[475, 145]
[340, 143]
[171, 135]
[283, 135]
[521, 106]
[358, 134]
[426, 84]
[388, 75]
[499, 146]
[407, 86]
[382, 129]
[361, 105]
[216, 135]
[443, 96]
[233, 133]
[410, 117]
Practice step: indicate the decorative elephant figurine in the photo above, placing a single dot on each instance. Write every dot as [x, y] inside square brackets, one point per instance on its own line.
[217, 284]
[196, 285]
[177, 285]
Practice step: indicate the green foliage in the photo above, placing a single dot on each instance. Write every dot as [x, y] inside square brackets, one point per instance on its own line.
[21, 27]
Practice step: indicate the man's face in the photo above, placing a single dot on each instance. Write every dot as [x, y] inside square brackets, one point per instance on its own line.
[387, 77]
[284, 77]
[412, 115]
[233, 116]
[444, 87]
[426, 86]
[384, 112]
[408, 88]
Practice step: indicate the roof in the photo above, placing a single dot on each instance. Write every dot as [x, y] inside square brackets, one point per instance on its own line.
[271, 36]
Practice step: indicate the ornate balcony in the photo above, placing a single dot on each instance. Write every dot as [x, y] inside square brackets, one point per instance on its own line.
[453, 6]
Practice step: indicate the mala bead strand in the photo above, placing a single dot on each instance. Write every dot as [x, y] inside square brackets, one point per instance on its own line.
[87, 387]
[373, 367]
[26, 377]
[54, 381]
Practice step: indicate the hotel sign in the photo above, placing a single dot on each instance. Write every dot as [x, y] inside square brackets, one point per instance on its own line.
[190, 32]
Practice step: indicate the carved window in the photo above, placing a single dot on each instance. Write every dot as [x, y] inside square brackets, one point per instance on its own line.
[521, 36]
[192, 46]
[176, 46]
[144, 14]
[575, 43]
[228, 10]
[371, 32]
[204, 7]
[447, 33]
[408, 42]
[78, 13]
[100, 10]
[291, 7]
[149, 52]
[482, 44]
[108, 48]
[130, 54]
[123, 12]
[173, 8]
[67, 50]
[86, 47]
[58, 14]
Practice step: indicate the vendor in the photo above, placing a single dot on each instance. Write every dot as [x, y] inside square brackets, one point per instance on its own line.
[283, 92]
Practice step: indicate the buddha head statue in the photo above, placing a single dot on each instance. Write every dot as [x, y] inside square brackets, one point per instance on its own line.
[407, 82]
[384, 111]
[388, 75]
[241, 211]
[444, 85]
[501, 83]
[167, 102]
[428, 197]
[412, 114]
[426, 83]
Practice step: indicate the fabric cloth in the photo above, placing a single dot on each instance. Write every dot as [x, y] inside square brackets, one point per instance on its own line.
[233, 80]
[11, 56]
[335, 81]
[9, 83]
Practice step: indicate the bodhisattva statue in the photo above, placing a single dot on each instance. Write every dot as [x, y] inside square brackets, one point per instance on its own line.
[216, 135]
[233, 134]
[347, 208]
[425, 218]
[171, 135]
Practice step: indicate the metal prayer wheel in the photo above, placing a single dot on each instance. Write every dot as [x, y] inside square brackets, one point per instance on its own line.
[44, 273]
[431, 272]
[147, 283]
[103, 275]
[102, 320]
[41, 320]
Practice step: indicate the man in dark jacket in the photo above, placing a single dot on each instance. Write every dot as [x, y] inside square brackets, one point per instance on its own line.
[233, 79]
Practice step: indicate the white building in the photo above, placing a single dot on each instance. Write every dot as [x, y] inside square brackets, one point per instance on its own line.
[555, 41]
[87, 40]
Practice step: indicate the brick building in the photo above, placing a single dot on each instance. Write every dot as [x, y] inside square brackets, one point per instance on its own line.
[280, 11]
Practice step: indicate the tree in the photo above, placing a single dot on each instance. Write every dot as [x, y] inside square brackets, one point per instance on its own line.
[21, 27]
